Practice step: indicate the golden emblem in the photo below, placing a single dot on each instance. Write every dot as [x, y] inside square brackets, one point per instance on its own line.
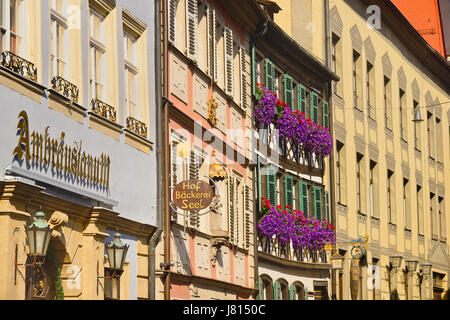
[212, 107]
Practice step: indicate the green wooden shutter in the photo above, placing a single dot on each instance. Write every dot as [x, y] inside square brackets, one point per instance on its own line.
[303, 197]
[301, 98]
[271, 186]
[270, 75]
[317, 195]
[289, 190]
[314, 107]
[276, 285]
[261, 289]
[326, 117]
[292, 292]
[327, 216]
[288, 90]
[306, 293]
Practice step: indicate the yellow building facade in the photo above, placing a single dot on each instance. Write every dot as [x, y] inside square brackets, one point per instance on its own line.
[391, 177]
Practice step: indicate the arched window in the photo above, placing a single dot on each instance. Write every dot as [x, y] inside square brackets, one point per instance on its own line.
[297, 291]
[281, 290]
[265, 288]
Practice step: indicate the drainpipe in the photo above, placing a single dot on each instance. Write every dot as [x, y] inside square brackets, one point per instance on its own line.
[165, 105]
[332, 171]
[154, 240]
[256, 206]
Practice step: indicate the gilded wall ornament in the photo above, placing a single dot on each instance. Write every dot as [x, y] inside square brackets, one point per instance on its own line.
[212, 107]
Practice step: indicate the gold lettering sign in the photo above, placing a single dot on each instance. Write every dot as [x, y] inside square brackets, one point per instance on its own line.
[63, 159]
[192, 195]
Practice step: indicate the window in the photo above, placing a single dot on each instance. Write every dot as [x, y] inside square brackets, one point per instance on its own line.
[131, 71]
[420, 212]
[281, 290]
[202, 33]
[288, 90]
[336, 63]
[296, 291]
[303, 195]
[340, 172]
[12, 26]
[403, 116]
[357, 81]
[272, 185]
[441, 218]
[360, 182]
[58, 39]
[301, 98]
[270, 75]
[431, 141]
[288, 190]
[433, 215]
[439, 141]
[406, 205]
[97, 51]
[390, 197]
[317, 206]
[235, 203]
[314, 107]
[417, 130]
[370, 90]
[373, 190]
[387, 103]
[265, 288]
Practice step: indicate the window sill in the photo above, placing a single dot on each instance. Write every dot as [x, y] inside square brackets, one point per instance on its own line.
[66, 106]
[21, 84]
[105, 126]
[138, 142]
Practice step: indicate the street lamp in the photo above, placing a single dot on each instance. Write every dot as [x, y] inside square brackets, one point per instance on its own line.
[395, 261]
[117, 251]
[411, 264]
[38, 235]
[337, 261]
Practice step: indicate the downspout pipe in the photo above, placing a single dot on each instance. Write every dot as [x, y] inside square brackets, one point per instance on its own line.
[164, 54]
[331, 159]
[254, 37]
[154, 239]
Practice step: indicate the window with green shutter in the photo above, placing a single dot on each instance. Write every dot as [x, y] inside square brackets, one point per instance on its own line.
[261, 289]
[292, 292]
[303, 197]
[301, 98]
[288, 90]
[276, 291]
[326, 116]
[317, 196]
[289, 190]
[314, 107]
[272, 185]
[327, 209]
[270, 75]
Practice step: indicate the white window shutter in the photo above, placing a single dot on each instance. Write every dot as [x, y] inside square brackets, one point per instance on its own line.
[236, 212]
[191, 28]
[243, 69]
[194, 173]
[229, 70]
[247, 211]
[231, 208]
[172, 23]
[211, 21]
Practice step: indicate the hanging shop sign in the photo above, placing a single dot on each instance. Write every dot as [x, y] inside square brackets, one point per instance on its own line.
[192, 195]
[40, 150]
[357, 252]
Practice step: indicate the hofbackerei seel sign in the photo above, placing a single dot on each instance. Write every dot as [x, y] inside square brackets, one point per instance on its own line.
[192, 195]
[41, 150]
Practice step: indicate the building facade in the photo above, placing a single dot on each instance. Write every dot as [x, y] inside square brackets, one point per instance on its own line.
[292, 178]
[210, 255]
[76, 80]
[390, 174]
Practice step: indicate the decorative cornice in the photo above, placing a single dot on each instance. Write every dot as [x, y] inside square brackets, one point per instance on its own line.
[132, 25]
[387, 65]
[373, 151]
[370, 50]
[357, 41]
[405, 170]
[419, 178]
[340, 132]
[336, 22]
[415, 90]
[102, 7]
[390, 161]
[360, 144]
[401, 79]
